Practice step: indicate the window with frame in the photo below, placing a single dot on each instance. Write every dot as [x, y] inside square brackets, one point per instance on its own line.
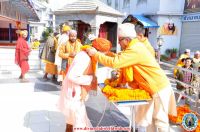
[126, 3]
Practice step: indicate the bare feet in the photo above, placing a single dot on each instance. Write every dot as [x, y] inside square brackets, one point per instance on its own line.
[24, 80]
[45, 77]
[54, 78]
[60, 83]
[20, 77]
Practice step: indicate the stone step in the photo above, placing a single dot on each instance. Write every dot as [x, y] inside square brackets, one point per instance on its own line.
[7, 60]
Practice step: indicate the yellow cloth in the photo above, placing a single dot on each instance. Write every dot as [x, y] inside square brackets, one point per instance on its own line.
[66, 28]
[126, 74]
[35, 45]
[148, 46]
[51, 69]
[66, 50]
[196, 60]
[180, 63]
[147, 72]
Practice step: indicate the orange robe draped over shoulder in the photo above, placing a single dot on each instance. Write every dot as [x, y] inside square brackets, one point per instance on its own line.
[21, 55]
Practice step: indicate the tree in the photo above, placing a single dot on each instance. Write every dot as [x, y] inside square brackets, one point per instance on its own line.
[46, 33]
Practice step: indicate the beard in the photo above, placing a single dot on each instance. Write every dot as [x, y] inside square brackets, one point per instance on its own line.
[72, 40]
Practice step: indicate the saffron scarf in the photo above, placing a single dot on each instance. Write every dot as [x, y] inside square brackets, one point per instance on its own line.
[126, 74]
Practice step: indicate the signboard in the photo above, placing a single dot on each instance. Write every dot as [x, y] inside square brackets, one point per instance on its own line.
[191, 17]
[192, 6]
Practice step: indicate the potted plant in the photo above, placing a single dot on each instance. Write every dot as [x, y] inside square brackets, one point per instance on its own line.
[174, 53]
[168, 54]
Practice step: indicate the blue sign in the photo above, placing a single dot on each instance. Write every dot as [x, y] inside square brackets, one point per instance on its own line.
[195, 17]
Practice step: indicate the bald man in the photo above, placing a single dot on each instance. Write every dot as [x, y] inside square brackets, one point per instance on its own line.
[69, 50]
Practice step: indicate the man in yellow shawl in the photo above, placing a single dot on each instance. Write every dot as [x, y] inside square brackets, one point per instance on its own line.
[70, 49]
[147, 74]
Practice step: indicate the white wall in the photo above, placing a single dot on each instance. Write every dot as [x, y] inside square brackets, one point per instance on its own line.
[160, 11]
[41, 27]
[172, 6]
[148, 6]
[171, 41]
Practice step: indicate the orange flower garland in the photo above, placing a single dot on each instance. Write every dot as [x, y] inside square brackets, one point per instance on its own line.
[181, 111]
[122, 94]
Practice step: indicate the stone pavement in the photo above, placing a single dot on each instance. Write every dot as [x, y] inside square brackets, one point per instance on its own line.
[31, 106]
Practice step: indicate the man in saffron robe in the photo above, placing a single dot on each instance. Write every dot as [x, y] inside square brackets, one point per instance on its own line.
[48, 56]
[80, 80]
[70, 49]
[22, 51]
[147, 74]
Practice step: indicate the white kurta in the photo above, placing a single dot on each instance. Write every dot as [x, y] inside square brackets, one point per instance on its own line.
[58, 60]
[74, 109]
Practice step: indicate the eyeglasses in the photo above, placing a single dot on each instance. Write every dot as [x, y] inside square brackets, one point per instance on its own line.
[121, 39]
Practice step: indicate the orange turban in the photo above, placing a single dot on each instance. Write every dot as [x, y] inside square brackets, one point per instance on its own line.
[102, 44]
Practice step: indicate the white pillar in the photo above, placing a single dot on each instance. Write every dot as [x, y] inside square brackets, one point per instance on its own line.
[54, 22]
[95, 30]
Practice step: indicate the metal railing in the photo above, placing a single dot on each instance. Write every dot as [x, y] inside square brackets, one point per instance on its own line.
[172, 79]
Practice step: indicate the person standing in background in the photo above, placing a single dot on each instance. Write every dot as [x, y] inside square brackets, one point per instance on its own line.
[69, 50]
[140, 35]
[180, 61]
[58, 60]
[22, 51]
[196, 61]
[48, 56]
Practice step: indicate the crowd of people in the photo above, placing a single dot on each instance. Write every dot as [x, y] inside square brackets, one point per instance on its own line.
[188, 64]
[74, 64]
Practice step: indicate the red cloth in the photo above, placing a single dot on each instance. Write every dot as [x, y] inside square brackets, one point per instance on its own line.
[21, 55]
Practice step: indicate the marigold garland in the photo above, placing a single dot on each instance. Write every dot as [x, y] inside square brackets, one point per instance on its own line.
[122, 94]
[181, 111]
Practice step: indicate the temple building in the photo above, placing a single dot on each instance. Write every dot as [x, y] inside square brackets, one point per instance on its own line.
[15, 15]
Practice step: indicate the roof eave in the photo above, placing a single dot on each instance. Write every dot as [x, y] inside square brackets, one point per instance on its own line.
[113, 14]
[63, 12]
